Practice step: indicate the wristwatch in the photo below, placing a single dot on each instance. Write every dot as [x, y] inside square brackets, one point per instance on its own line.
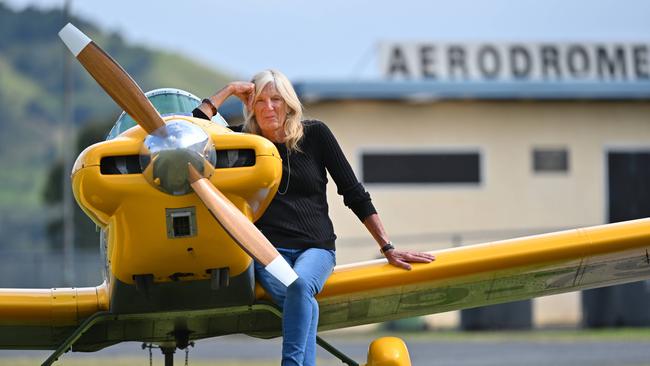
[388, 246]
[211, 105]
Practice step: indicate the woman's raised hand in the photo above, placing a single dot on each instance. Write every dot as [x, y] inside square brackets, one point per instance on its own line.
[243, 90]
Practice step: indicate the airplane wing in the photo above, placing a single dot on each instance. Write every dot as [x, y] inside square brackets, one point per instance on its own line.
[486, 274]
[355, 294]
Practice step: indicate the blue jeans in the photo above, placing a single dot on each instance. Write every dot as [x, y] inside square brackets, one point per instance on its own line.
[298, 303]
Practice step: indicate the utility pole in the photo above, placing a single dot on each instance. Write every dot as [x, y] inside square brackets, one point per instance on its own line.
[67, 146]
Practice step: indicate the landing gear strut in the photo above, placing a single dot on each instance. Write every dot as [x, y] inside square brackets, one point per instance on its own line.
[169, 355]
[335, 352]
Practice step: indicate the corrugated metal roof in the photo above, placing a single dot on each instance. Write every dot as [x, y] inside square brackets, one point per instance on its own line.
[431, 91]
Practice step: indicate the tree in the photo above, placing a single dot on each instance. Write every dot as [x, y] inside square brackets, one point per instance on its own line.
[86, 235]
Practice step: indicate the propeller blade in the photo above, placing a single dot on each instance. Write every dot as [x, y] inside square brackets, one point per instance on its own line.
[245, 234]
[113, 79]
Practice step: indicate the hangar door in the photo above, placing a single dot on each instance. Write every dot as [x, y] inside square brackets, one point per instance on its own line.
[628, 189]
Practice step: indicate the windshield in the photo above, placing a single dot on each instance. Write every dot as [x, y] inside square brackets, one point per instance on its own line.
[166, 101]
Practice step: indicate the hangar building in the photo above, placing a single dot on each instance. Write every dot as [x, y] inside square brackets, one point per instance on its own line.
[460, 153]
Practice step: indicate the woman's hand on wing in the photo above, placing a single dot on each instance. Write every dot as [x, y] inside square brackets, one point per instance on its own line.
[402, 258]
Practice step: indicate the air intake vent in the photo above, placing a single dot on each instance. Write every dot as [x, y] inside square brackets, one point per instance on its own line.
[181, 225]
[235, 158]
[124, 164]
[130, 164]
[181, 222]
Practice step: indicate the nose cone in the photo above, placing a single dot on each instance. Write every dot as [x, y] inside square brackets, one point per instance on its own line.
[164, 159]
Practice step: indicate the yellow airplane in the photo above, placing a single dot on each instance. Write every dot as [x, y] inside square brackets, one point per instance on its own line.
[176, 196]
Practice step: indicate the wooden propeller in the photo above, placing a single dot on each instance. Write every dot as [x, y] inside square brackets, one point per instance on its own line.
[243, 232]
[113, 79]
[128, 95]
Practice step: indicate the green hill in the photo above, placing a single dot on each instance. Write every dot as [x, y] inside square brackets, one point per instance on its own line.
[31, 101]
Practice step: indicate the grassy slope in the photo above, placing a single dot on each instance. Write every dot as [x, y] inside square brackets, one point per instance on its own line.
[29, 148]
[22, 142]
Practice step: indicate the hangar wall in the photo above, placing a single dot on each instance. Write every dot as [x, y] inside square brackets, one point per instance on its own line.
[512, 198]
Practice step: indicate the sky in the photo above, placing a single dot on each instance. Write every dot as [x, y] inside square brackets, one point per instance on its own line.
[337, 39]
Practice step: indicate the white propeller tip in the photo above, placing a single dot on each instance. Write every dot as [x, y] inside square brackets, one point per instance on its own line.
[74, 38]
[281, 270]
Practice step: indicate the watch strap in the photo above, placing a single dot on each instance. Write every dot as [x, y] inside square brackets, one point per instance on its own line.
[209, 103]
[388, 246]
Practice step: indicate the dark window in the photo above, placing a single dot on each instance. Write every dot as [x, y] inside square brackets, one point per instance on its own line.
[550, 160]
[628, 180]
[405, 168]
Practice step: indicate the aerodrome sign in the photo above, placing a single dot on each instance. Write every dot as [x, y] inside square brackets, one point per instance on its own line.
[598, 62]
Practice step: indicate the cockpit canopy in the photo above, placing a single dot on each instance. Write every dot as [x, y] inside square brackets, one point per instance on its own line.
[167, 101]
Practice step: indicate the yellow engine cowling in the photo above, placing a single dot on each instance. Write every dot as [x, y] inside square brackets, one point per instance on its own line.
[135, 214]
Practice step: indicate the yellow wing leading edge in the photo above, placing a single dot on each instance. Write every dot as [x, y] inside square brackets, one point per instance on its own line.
[487, 274]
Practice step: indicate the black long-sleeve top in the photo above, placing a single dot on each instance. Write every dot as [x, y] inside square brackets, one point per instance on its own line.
[298, 214]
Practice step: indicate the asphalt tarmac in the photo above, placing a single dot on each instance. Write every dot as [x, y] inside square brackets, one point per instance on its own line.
[508, 351]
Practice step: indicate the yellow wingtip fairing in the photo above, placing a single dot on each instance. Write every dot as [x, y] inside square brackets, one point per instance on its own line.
[388, 351]
[52, 307]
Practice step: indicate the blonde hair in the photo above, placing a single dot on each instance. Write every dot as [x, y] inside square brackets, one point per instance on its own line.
[293, 129]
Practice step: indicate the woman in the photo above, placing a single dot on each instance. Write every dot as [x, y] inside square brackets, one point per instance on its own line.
[297, 221]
